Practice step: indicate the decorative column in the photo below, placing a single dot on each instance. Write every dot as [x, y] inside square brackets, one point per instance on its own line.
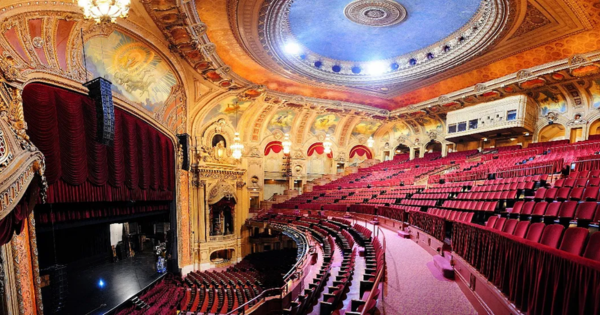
[412, 153]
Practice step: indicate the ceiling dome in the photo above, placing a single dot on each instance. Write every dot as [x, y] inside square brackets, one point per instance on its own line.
[375, 46]
[367, 30]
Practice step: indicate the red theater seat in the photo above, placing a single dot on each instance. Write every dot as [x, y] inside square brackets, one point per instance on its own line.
[592, 251]
[585, 211]
[551, 194]
[551, 235]
[574, 240]
[539, 209]
[576, 193]
[552, 209]
[499, 224]
[563, 193]
[593, 182]
[527, 209]
[491, 221]
[535, 232]
[510, 225]
[540, 194]
[567, 210]
[521, 229]
[591, 193]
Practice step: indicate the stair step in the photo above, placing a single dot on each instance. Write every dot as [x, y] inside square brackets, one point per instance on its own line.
[444, 266]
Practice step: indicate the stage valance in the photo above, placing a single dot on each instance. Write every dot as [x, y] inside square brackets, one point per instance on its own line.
[319, 149]
[274, 146]
[139, 166]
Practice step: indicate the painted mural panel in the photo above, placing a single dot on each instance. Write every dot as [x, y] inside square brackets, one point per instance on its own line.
[551, 102]
[595, 93]
[325, 123]
[401, 129]
[430, 124]
[135, 70]
[282, 120]
[228, 107]
[365, 128]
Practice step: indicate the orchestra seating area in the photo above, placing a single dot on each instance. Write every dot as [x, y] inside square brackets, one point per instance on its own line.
[490, 208]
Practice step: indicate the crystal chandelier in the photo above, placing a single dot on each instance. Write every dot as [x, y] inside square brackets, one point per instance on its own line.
[327, 144]
[370, 142]
[237, 147]
[104, 10]
[287, 144]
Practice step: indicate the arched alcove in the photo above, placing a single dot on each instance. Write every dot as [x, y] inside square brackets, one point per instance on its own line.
[221, 256]
[402, 149]
[595, 128]
[551, 132]
[433, 146]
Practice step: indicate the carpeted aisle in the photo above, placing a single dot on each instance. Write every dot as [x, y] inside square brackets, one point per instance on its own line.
[411, 288]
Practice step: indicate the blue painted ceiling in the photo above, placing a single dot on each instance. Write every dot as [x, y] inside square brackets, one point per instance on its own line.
[322, 27]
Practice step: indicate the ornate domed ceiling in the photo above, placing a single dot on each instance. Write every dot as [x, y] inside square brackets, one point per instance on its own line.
[375, 45]
[388, 53]
[367, 30]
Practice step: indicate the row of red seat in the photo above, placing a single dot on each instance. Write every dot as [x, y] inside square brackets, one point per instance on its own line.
[573, 240]
[568, 210]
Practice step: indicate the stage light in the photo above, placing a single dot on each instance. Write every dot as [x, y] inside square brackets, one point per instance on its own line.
[101, 283]
[292, 48]
[376, 68]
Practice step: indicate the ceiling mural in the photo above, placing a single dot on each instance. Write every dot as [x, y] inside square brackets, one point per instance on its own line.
[325, 123]
[365, 128]
[401, 130]
[551, 102]
[135, 70]
[430, 124]
[231, 107]
[282, 120]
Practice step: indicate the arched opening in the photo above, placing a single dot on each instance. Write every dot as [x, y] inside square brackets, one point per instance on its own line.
[221, 217]
[359, 154]
[551, 132]
[402, 149]
[595, 128]
[433, 146]
[219, 138]
[221, 256]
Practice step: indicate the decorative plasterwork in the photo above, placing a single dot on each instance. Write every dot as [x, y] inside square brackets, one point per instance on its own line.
[534, 19]
[485, 27]
[376, 13]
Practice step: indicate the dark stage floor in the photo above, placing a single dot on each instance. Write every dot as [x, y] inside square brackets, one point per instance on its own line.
[121, 280]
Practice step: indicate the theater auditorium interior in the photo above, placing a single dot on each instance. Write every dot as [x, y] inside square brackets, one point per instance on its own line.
[322, 157]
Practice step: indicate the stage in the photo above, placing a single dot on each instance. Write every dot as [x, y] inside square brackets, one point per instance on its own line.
[120, 281]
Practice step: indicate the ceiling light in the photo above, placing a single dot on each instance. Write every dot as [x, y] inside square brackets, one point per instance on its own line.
[292, 48]
[484, 139]
[513, 139]
[376, 68]
[527, 134]
[103, 11]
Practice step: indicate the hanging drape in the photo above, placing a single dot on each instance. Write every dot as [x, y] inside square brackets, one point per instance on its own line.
[361, 150]
[428, 223]
[15, 221]
[537, 278]
[139, 166]
[319, 149]
[274, 146]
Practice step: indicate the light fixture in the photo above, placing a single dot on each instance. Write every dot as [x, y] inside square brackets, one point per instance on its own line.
[103, 11]
[237, 146]
[513, 139]
[370, 142]
[287, 144]
[527, 134]
[292, 48]
[327, 144]
[484, 139]
[376, 68]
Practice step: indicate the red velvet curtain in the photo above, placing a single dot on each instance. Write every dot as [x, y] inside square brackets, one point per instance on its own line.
[15, 220]
[274, 146]
[537, 278]
[361, 150]
[139, 166]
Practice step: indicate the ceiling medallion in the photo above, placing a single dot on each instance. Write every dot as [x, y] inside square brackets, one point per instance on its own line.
[377, 13]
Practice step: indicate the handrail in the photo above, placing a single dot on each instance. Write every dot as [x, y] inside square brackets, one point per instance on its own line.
[240, 310]
[379, 275]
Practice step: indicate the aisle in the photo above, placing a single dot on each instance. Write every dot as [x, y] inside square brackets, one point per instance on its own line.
[411, 288]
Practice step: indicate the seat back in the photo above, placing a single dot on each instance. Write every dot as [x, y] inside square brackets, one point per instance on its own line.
[592, 250]
[540, 208]
[567, 210]
[535, 232]
[509, 226]
[499, 224]
[552, 209]
[491, 221]
[574, 240]
[552, 235]
[528, 208]
[517, 207]
[586, 211]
